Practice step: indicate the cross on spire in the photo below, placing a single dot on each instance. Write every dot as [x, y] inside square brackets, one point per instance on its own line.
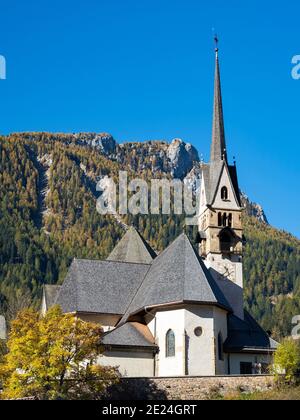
[216, 39]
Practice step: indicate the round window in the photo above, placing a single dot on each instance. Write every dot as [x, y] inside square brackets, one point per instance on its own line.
[198, 331]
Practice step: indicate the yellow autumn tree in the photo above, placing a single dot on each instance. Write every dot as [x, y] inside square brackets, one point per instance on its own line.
[287, 360]
[54, 357]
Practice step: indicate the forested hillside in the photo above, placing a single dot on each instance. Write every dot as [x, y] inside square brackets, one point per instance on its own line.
[48, 216]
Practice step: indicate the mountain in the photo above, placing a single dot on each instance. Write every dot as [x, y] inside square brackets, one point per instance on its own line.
[253, 209]
[48, 216]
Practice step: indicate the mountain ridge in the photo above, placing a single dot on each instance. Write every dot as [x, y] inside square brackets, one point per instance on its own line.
[177, 158]
[48, 216]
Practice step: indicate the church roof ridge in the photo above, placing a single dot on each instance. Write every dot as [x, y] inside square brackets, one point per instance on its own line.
[94, 260]
[132, 248]
[177, 275]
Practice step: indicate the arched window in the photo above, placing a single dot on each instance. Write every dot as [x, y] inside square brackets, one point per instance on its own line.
[220, 347]
[170, 344]
[224, 193]
[220, 222]
[230, 220]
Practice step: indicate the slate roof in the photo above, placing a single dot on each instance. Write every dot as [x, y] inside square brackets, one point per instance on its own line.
[103, 287]
[235, 183]
[247, 335]
[215, 172]
[205, 175]
[177, 275]
[132, 248]
[51, 292]
[218, 146]
[131, 334]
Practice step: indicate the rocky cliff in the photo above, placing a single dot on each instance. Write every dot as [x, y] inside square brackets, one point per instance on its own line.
[177, 159]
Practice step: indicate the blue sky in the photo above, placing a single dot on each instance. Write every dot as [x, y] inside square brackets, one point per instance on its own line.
[144, 70]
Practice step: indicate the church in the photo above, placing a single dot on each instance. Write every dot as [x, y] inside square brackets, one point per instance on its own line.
[179, 313]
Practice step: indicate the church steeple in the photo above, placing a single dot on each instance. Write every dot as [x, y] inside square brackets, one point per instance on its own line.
[220, 216]
[218, 146]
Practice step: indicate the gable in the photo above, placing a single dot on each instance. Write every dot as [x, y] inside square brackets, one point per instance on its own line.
[224, 180]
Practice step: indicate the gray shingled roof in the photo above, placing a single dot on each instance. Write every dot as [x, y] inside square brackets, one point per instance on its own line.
[100, 286]
[178, 274]
[235, 183]
[51, 292]
[211, 174]
[218, 145]
[132, 248]
[131, 334]
[247, 335]
[215, 172]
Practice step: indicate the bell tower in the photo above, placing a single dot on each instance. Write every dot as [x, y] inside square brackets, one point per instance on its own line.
[220, 218]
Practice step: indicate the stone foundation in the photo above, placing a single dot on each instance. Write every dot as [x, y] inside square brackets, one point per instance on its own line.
[187, 388]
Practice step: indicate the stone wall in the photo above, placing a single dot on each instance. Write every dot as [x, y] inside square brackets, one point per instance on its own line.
[187, 388]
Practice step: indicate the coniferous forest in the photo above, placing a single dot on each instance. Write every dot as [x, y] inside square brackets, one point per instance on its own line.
[48, 216]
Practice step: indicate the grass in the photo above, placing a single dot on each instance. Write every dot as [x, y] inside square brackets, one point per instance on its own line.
[283, 394]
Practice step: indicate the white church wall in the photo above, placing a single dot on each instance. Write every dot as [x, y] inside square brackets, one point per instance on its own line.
[239, 275]
[203, 201]
[195, 354]
[220, 326]
[163, 322]
[200, 350]
[134, 364]
[229, 276]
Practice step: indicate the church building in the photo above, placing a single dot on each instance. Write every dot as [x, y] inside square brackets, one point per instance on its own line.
[179, 313]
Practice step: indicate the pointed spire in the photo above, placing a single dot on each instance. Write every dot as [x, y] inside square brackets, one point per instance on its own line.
[218, 147]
